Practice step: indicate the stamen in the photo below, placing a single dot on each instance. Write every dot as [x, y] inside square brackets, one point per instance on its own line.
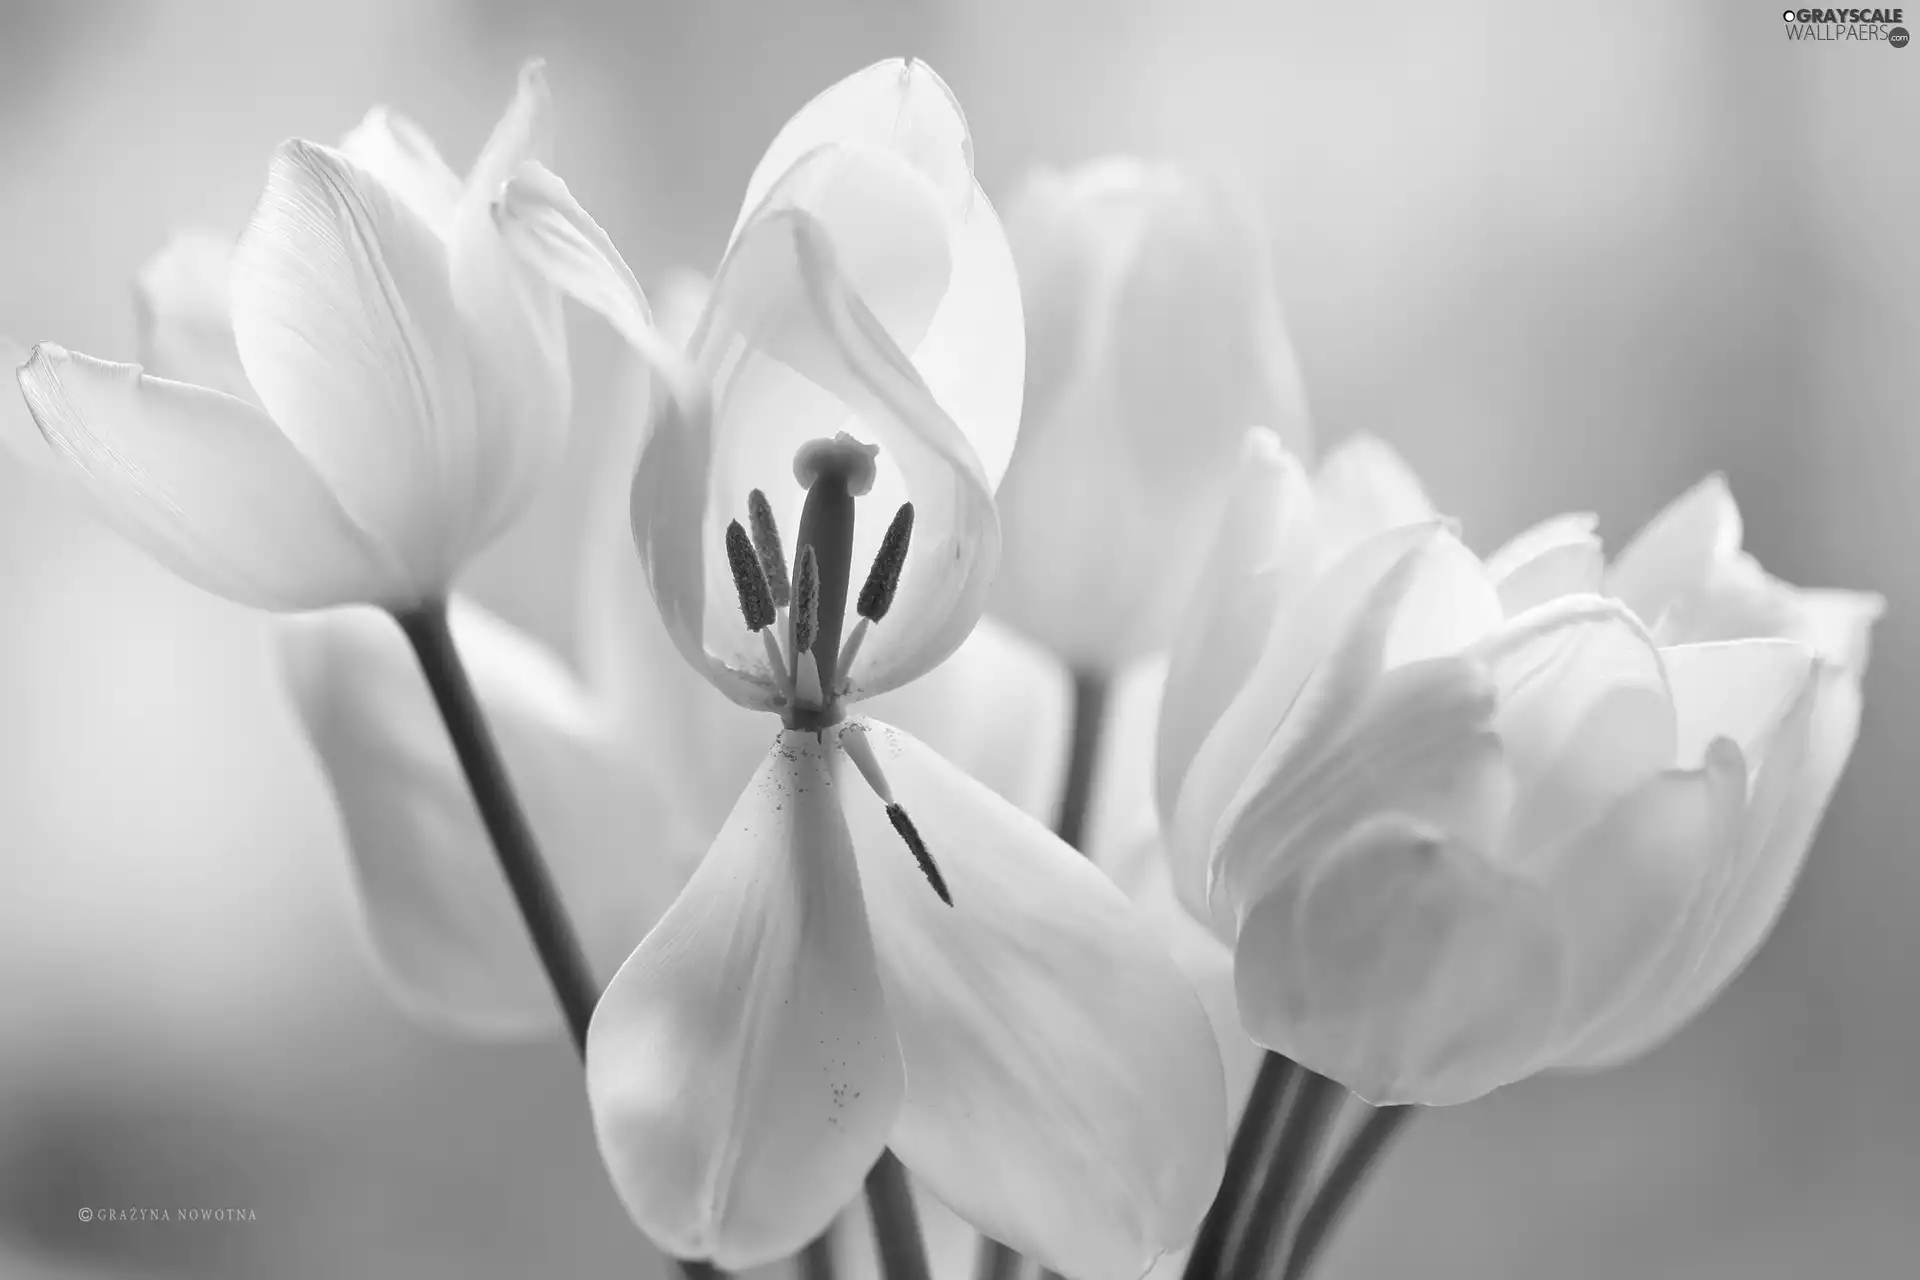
[806, 601]
[853, 740]
[883, 580]
[756, 602]
[766, 540]
[779, 661]
[843, 671]
[904, 825]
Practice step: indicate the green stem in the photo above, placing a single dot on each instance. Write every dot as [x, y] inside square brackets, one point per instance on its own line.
[896, 1223]
[554, 938]
[995, 1261]
[1292, 1154]
[1221, 1230]
[1090, 690]
[514, 846]
[816, 1260]
[1343, 1181]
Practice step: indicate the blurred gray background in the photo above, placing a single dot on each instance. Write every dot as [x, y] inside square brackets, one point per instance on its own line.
[1565, 257]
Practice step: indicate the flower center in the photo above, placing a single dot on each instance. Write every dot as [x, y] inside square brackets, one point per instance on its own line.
[813, 667]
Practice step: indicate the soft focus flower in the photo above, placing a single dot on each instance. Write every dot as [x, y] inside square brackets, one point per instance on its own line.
[1461, 822]
[876, 951]
[1153, 342]
[407, 374]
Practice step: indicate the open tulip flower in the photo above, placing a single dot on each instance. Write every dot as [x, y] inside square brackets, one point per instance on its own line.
[876, 950]
[402, 385]
[1463, 821]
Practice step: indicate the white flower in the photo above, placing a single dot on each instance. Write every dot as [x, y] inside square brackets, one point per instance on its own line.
[404, 392]
[1463, 822]
[877, 951]
[1154, 341]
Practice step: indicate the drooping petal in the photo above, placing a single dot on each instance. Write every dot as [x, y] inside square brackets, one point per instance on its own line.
[345, 321]
[1557, 557]
[1262, 557]
[1403, 965]
[511, 317]
[205, 485]
[1676, 552]
[399, 153]
[970, 348]
[184, 316]
[438, 911]
[1364, 488]
[1585, 713]
[1063, 1087]
[742, 1068]
[1139, 868]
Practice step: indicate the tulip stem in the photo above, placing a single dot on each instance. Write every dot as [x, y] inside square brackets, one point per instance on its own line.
[1343, 1180]
[1292, 1154]
[995, 1261]
[1222, 1230]
[526, 871]
[896, 1223]
[1089, 714]
[816, 1260]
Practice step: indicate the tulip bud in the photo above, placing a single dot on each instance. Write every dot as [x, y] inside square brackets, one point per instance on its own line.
[1461, 822]
[1153, 341]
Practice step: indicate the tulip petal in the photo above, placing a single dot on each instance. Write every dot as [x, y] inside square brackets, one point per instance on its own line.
[512, 320]
[1751, 687]
[970, 349]
[1365, 736]
[399, 153]
[1064, 1090]
[1400, 596]
[742, 1069]
[1557, 557]
[185, 318]
[1629, 885]
[205, 485]
[1140, 870]
[345, 320]
[1403, 965]
[796, 351]
[1365, 488]
[1585, 714]
[548, 228]
[1262, 556]
[1739, 689]
[1674, 555]
[1307, 633]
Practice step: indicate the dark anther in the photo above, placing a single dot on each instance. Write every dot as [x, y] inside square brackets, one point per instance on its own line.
[756, 603]
[766, 540]
[883, 580]
[806, 600]
[904, 825]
